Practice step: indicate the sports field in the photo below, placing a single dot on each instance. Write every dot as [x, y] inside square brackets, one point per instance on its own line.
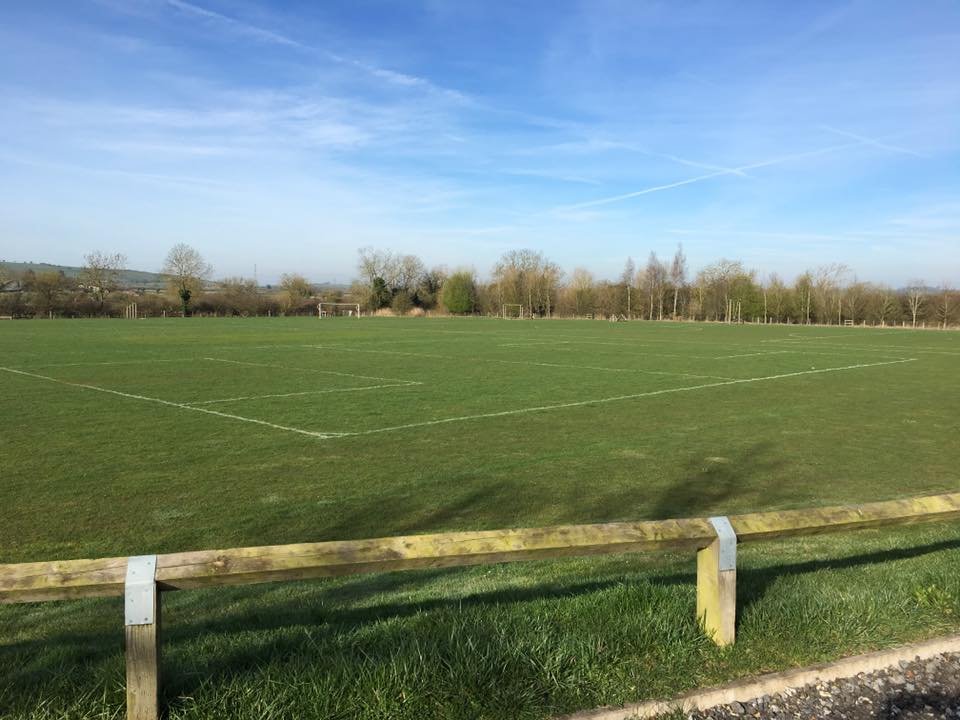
[129, 437]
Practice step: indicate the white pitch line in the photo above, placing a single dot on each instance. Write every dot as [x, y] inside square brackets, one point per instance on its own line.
[517, 362]
[182, 406]
[305, 392]
[534, 343]
[753, 354]
[112, 362]
[888, 349]
[314, 370]
[618, 398]
[633, 346]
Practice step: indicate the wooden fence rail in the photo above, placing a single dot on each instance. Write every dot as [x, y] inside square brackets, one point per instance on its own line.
[141, 579]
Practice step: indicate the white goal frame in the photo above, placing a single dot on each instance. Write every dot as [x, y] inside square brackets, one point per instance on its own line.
[503, 310]
[355, 308]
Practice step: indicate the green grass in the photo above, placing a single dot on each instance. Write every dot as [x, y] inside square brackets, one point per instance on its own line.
[86, 473]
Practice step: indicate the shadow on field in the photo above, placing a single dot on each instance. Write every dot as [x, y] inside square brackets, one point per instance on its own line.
[340, 625]
[708, 484]
[307, 620]
[752, 584]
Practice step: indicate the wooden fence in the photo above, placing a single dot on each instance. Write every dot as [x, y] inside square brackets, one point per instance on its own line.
[140, 579]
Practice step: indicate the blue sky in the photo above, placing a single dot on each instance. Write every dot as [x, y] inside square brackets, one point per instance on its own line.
[288, 134]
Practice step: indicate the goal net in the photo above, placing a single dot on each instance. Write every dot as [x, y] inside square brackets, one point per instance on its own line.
[512, 311]
[331, 309]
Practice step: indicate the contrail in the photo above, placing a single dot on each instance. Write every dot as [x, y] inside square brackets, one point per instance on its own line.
[872, 141]
[692, 163]
[728, 171]
[237, 25]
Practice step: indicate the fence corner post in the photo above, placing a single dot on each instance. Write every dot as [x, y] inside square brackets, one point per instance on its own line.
[142, 634]
[717, 584]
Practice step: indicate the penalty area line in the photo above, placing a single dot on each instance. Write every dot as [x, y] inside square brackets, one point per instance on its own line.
[314, 370]
[169, 403]
[619, 398]
[304, 392]
[530, 363]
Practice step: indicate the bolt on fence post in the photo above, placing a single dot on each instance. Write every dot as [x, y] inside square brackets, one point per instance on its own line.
[717, 584]
[142, 633]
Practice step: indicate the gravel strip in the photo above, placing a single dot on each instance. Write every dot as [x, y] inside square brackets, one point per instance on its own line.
[910, 691]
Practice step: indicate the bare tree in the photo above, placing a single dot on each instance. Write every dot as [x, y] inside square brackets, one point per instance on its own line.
[296, 288]
[388, 274]
[187, 271]
[721, 286]
[527, 277]
[855, 301]
[804, 290]
[884, 305]
[410, 269]
[239, 296]
[916, 294]
[628, 278]
[581, 283]
[46, 288]
[945, 305]
[655, 280]
[778, 296]
[101, 273]
[827, 281]
[678, 275]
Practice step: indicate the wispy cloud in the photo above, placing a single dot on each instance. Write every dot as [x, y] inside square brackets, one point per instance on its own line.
[178, 181]
[441, 133]
[243, 29]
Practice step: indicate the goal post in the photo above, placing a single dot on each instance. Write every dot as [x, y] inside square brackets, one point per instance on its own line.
[512, 310]
[332, 309]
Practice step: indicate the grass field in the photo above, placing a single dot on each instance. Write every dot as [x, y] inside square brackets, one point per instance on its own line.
[132, 437]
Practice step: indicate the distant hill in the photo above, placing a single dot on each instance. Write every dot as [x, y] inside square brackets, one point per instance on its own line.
[128, 278]
[143, 279]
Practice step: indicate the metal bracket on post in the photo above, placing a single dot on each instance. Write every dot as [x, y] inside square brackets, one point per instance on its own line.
[139, 590]
[728, 542]
[717, 584]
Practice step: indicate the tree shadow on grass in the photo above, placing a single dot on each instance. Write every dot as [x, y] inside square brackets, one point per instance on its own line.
[753, 584]
[326, 611]
[709, 484]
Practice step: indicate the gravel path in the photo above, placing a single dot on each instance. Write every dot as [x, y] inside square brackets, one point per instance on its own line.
[910, 691]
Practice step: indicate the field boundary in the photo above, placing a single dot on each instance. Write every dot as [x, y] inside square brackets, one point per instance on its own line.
[141, 579]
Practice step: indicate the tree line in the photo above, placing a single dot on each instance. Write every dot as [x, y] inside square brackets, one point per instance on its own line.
[401, 284]
[661, 289]
[98, 291]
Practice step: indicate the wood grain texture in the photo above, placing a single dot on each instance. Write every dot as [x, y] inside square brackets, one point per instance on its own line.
[30, 582]
[716, 596]
[143, 667]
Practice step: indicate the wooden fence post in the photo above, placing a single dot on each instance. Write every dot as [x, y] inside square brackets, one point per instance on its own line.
[142, 631]
[717, 584]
